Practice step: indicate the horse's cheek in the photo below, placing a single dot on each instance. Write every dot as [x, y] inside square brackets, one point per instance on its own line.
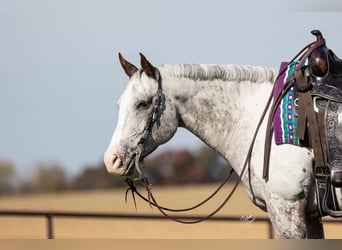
[165, 129]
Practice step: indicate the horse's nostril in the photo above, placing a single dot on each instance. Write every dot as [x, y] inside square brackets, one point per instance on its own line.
[116, 161]
[113, 163]
[114, 158]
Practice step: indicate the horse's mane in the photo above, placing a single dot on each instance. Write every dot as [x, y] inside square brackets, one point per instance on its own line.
[208, 72]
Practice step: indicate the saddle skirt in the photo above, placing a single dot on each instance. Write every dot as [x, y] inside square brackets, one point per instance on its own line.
[333, 130]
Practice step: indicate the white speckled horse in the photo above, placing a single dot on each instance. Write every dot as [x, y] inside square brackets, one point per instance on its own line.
[221, 104]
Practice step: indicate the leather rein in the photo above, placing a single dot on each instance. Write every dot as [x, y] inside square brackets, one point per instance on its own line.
[151, 200]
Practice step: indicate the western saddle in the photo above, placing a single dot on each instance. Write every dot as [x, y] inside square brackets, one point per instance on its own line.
[317, 81]
[325, 78]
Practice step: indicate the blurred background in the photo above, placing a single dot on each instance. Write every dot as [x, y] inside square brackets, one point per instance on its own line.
[60, 78]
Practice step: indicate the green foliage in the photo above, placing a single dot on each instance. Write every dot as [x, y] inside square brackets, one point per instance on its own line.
[49, 177]
[185, 167]
[95, 177]
[171, 167]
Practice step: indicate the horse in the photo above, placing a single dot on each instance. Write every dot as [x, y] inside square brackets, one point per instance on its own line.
[220, 104]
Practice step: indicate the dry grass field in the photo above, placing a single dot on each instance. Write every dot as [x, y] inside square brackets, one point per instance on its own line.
[113, 202]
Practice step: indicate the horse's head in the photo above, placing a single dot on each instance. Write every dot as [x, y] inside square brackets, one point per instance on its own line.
[147, 118]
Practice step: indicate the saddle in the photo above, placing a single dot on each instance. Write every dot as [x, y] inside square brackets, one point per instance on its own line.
[320, 83]
[317, 82]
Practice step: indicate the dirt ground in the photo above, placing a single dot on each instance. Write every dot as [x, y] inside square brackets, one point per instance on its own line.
[113, 201]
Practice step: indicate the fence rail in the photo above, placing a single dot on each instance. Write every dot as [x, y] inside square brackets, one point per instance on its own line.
[49, 215]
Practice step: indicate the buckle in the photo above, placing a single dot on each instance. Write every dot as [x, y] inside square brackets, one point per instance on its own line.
[319, 103]
[321, 172]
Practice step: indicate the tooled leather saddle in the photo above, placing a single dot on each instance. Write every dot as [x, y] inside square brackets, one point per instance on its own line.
[317, 81]
[324, 83]
[319, 86]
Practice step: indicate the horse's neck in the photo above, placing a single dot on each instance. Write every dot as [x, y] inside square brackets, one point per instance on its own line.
[223, 114]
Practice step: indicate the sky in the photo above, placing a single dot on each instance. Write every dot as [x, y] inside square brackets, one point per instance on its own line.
[60, 76]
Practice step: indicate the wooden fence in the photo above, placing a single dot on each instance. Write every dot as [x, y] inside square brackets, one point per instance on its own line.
[50, 215]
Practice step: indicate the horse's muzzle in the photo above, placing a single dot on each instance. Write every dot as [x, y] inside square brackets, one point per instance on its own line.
[116, 165]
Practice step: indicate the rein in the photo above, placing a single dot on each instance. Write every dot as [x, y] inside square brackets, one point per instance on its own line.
[153, 202]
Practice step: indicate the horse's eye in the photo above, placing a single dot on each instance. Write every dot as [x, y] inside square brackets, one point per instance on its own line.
[144, 104]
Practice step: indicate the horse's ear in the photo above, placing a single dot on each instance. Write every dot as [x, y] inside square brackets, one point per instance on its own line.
[148, 68]
[129, 68]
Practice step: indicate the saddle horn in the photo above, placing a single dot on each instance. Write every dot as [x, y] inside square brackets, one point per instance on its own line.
[129, 68]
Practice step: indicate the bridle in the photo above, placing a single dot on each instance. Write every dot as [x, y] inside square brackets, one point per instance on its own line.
[138, 155]
[152, 118]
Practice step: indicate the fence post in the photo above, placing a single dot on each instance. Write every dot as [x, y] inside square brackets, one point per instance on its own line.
[270, 230]
[49, 226]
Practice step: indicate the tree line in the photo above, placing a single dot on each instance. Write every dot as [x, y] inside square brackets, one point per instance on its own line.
[171, 167]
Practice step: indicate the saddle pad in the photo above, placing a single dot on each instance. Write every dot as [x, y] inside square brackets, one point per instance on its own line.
[285, 121]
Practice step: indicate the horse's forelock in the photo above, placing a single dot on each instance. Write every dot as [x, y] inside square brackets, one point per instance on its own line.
[139, 83]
